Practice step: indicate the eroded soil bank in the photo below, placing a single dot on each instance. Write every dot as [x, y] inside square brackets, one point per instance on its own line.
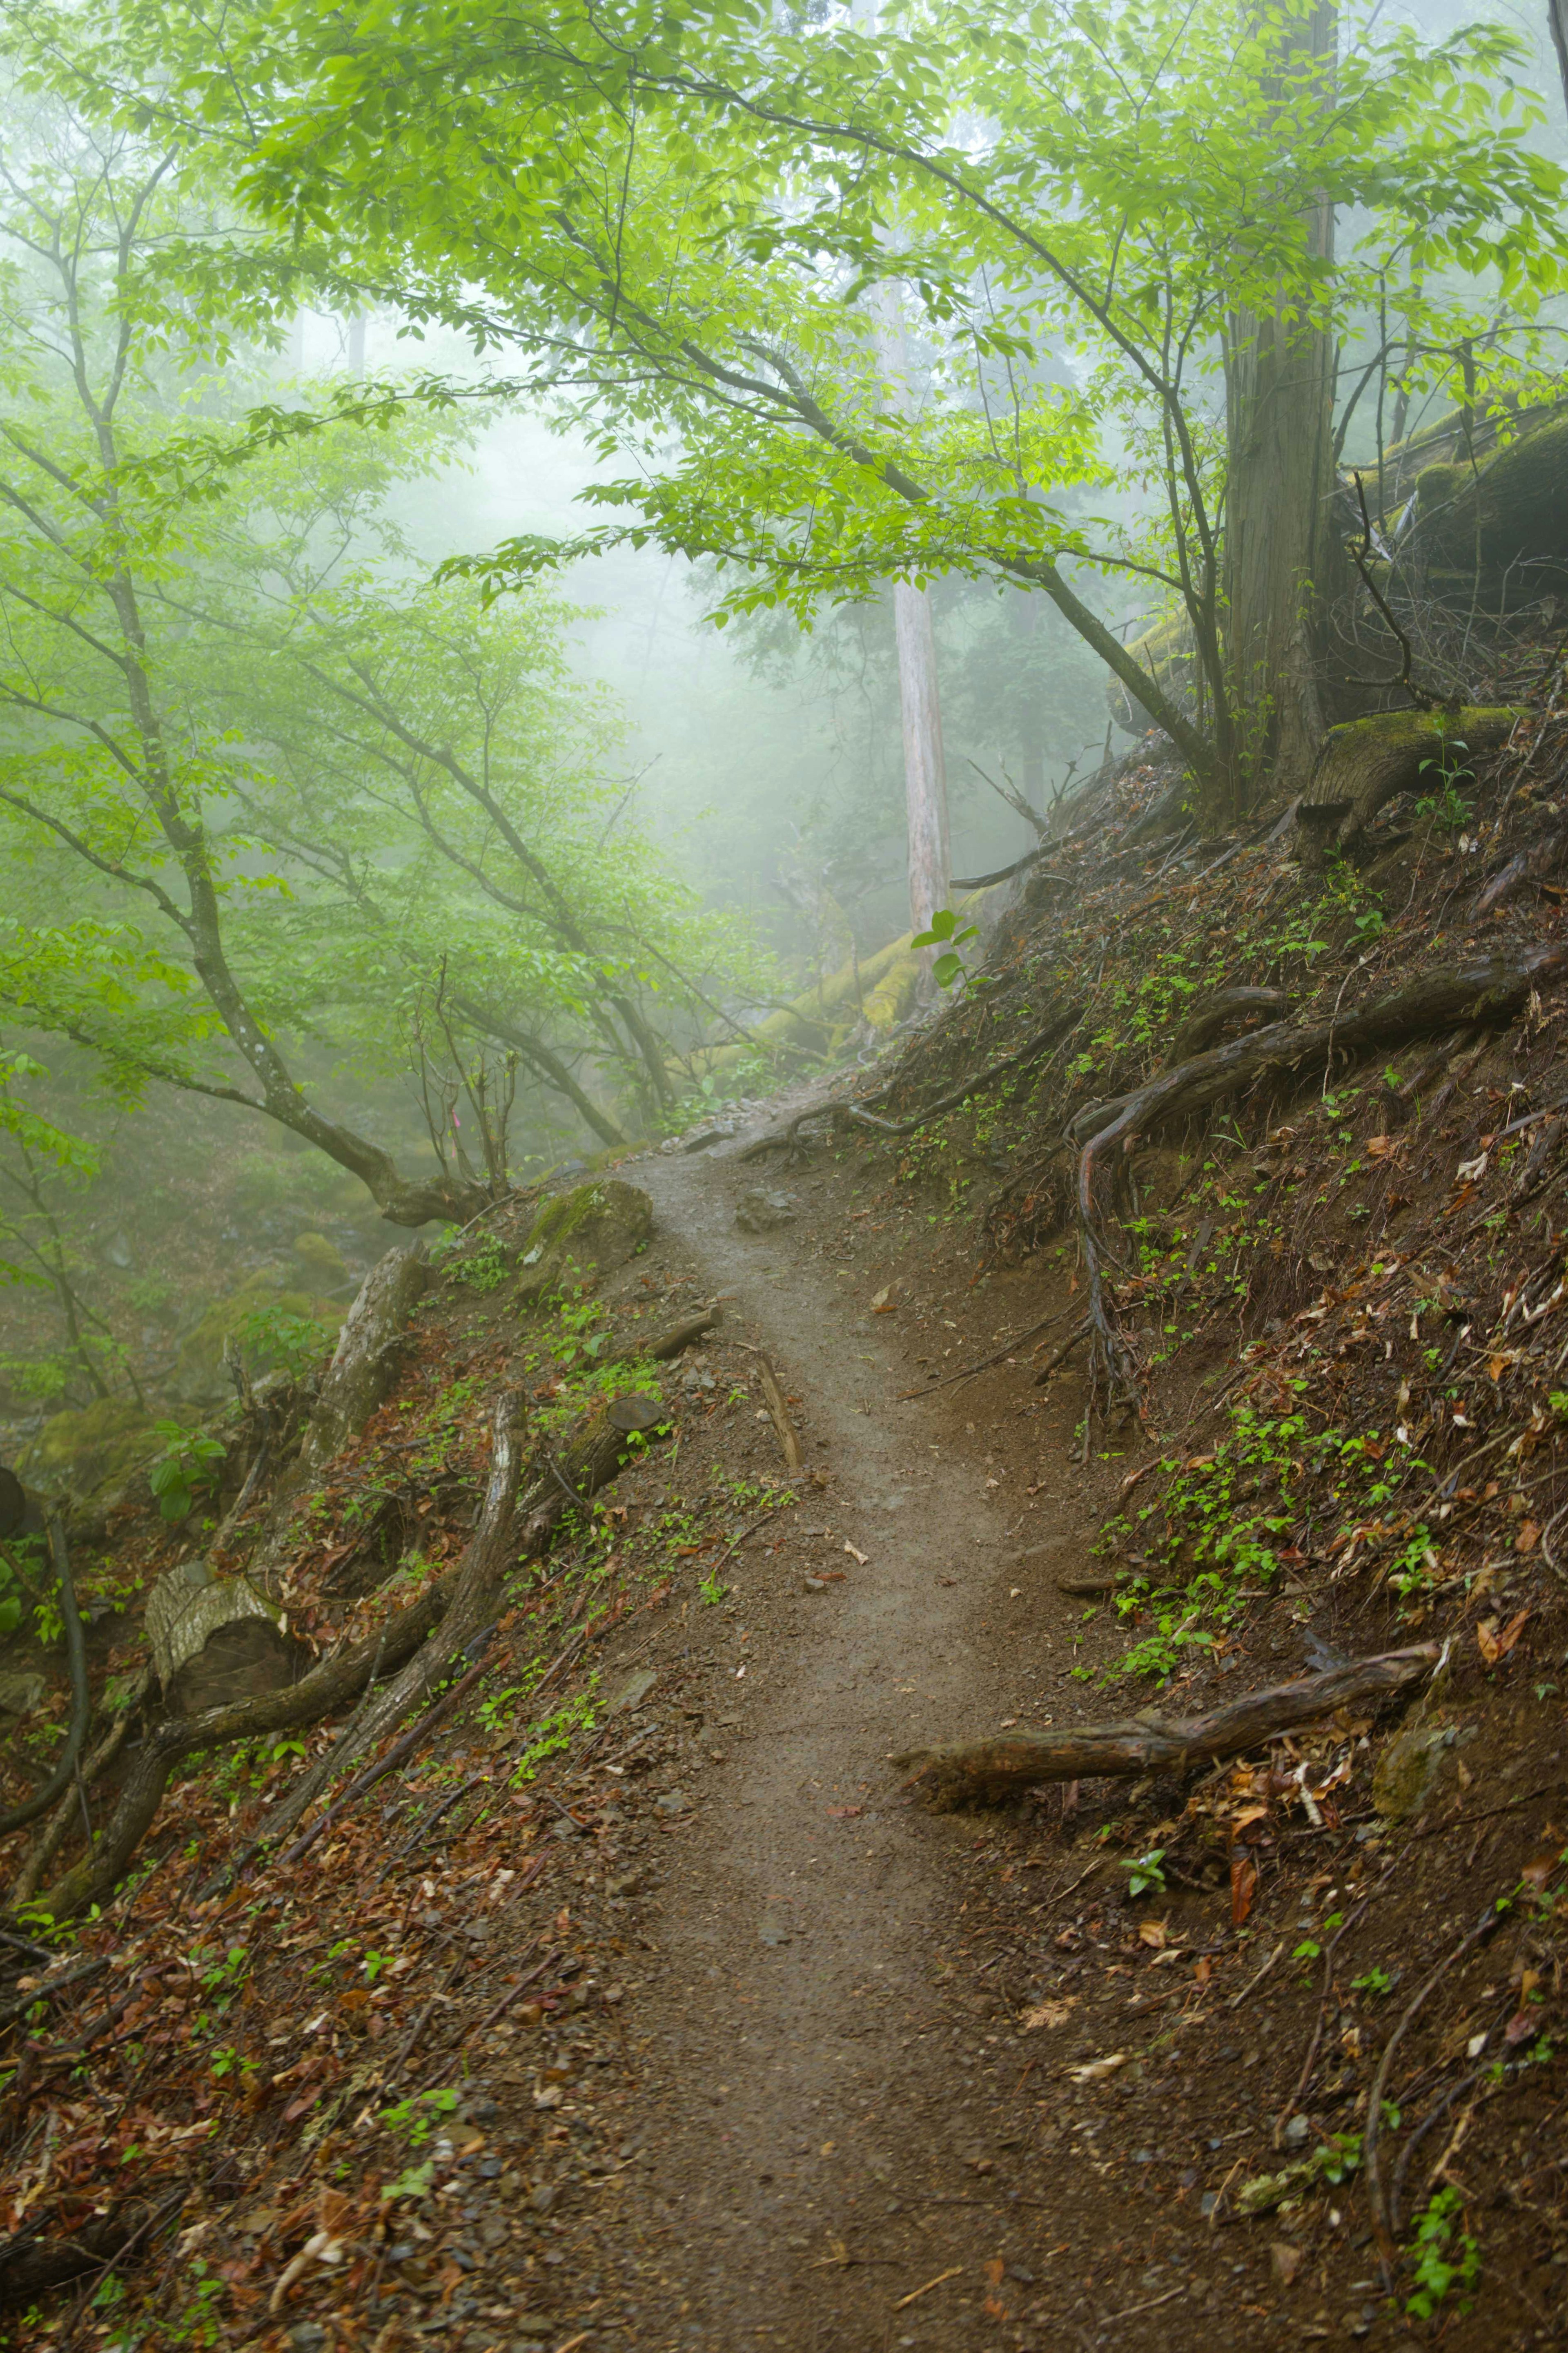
[645, 2001]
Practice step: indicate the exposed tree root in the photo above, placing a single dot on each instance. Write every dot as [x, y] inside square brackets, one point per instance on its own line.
[1485, 994]
[844, 1111]
[985, 1771]
[1221, 1011]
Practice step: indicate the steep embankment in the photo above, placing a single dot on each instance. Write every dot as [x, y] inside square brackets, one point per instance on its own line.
[1210, 1339]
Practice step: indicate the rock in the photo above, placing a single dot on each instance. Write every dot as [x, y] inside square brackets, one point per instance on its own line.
[1411, 1768]
[762, 1210]
[101, 1447]
[213, 1640]
[265, 1299]
[21, 1693]
[674, 1802]
[634, 1691]
[591, 1231]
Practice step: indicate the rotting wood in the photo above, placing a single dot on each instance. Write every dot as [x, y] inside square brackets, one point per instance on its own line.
[780, 1412]
[1063, 1349]
[603, 1445]
[984, 1771]
[1365, 764]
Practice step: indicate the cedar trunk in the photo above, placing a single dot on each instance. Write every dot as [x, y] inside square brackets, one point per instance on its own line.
[1279, 397]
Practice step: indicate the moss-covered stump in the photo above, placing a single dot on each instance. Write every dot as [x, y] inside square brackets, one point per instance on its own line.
[83, 1453]
[590, 1231]
[1364, 765]
[214, 1641]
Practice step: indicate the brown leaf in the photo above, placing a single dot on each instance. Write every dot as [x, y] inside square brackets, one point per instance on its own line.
[1243, 1887]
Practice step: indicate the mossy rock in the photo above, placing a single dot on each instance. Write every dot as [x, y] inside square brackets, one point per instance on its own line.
[201, 1377]
[101, 1447]
[590, 1231]
[324, 1264]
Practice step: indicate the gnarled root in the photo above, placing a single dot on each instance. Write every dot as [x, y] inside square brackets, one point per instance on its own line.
[985, 1771]
[1484, 994]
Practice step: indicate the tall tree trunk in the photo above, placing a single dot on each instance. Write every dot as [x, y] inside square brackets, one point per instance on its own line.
[925, 772]
[1026, 616]
[1557, 17]
[1280, 549]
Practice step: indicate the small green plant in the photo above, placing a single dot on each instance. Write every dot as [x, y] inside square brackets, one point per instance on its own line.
[484, 1269]
[945, 933]
[712, 1589]
[186, 1468]
[1145, 1872]
[1373, 1982]
[414, 2120]
[1443, 2256]
[1447, 808]
[275, 1338]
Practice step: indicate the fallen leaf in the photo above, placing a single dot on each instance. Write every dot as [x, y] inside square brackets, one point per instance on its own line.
[1494, 1645]
[844, 1813]
[1470, 1172]
[1243, 1887]
[1521, 2027]
[1154, 1932]
[1096, 2069]
[1047, 2013]
[1378, 1148]
[1286, 2260]
[1529, 1535]
[884, 1303]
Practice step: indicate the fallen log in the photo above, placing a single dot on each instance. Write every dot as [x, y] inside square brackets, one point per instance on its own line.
[779, 1410]
[985, 1771]
[1363, 765]
[603, 1445]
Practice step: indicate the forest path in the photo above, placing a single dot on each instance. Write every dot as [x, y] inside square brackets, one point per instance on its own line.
[817, 2149]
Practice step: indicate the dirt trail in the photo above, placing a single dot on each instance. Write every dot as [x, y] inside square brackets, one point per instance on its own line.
[803, 2101]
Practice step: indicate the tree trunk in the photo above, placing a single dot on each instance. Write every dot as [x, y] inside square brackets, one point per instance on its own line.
[925, 772]
[1279, 394]
[1557, 17]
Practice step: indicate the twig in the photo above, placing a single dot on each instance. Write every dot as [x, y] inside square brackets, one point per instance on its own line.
[1063, 1349]
[1253, 1983]
[1383, 2229]
[780, 1412]
[986, 1363]
[1310, 2061]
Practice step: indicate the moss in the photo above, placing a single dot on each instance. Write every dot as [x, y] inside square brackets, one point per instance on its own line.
[595, 1228]
[101, 1447]
[887, 1003]
[200, 1375]
[322, 1262]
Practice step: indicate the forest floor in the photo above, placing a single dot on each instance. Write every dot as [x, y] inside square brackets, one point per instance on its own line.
[650, 2006]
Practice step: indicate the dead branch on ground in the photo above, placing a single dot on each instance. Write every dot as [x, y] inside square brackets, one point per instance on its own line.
[987, 1770]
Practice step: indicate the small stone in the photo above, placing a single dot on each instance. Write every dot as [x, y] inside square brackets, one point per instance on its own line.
[762, 1210]
[307, 2336]
[674, 1802]
[1297, 2131]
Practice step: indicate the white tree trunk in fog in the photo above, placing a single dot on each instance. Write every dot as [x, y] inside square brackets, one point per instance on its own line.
[919, 702]
[356, 344]
[925, 772]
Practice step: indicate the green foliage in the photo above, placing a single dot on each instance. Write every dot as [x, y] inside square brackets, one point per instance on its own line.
[1144, 1872]
[946, 932]
[414, 2120]
[186, 1468]
[1443, 2256]
[278, 1336]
